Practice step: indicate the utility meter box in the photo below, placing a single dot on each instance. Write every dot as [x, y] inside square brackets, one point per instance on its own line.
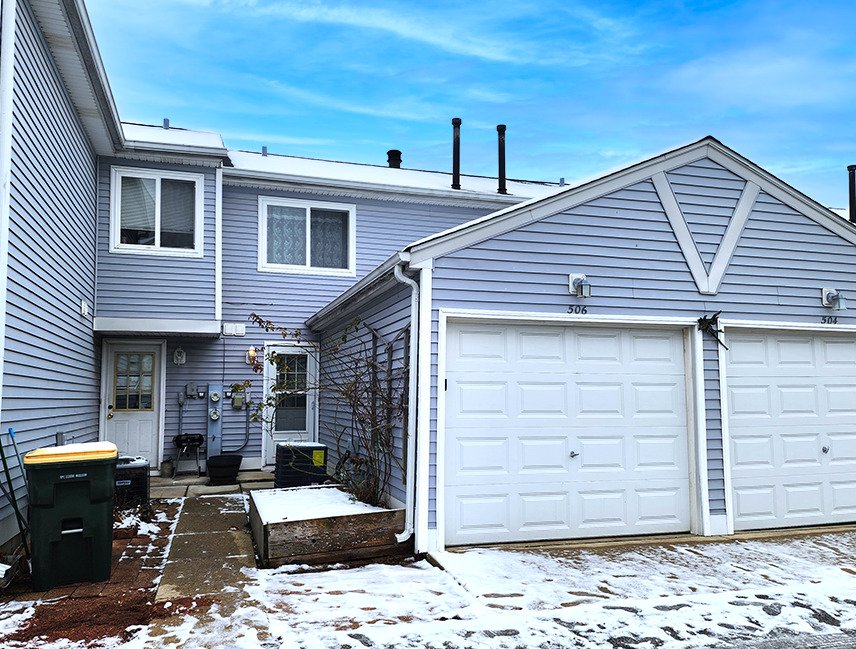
[71, 512]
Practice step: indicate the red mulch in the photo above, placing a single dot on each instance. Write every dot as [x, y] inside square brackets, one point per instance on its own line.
[94, 618]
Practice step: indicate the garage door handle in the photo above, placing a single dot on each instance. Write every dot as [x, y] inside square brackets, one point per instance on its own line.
[825, 449]
[574, 454]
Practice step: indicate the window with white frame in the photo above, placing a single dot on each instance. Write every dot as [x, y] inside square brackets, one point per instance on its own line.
[306, 236]
[156, 212]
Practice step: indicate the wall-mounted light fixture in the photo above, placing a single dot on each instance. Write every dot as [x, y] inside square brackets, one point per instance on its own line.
[251, 356]
[579, 285]
[179, 357]
[833, 299]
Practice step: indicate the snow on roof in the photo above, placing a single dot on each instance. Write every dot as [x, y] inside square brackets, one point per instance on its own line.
[843, 213]
[350, 172]
[171, 136]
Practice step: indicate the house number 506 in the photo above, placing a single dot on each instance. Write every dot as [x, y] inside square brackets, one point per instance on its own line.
[577, 308]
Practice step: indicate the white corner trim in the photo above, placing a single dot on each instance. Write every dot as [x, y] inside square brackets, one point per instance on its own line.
[726, 436]
[440, 469]
[423, 422]
[730, 239]
[7, 65]
[218, 243]
[700, 426]
[681, 230]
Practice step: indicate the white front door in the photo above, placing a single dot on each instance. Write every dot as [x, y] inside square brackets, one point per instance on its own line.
[556, 432]
[792, 428]
[291, 389]
[132, 409]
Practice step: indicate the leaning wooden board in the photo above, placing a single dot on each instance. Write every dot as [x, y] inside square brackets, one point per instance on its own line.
[287, 529]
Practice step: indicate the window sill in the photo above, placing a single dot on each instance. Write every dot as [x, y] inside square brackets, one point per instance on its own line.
[150, 251]
[304, 270]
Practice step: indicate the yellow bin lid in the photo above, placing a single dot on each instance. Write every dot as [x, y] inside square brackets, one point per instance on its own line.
[72, 453]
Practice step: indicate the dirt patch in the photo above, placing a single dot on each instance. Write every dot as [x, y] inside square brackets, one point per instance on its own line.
[94, 618]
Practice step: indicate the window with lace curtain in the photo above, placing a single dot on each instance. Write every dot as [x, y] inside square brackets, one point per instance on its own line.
[156, 212]
[306, 237]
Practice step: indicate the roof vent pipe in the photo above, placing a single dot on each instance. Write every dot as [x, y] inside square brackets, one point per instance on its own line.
[264, 150]
[166, 122]
[393, 158]
[456, 153]
[500, 130]
[851, 172]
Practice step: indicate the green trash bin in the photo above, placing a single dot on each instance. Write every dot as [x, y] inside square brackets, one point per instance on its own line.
[71, 512]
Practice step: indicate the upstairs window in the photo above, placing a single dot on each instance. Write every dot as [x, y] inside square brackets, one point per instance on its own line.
[156, 212]
[306, 237]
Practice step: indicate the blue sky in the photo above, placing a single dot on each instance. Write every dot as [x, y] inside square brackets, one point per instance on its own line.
[584, 87]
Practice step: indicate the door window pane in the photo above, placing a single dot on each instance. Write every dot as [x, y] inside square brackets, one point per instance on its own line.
[291, 385]
[178, 213]
[138, 211]
[133, 381]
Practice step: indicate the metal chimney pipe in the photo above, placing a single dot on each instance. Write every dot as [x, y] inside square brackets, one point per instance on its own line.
[851, 172]
[456, 153]
[500, 130]
[393, 158]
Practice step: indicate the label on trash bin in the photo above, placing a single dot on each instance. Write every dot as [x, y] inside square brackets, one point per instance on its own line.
[72, 476]
[318, 458]
[123, 483]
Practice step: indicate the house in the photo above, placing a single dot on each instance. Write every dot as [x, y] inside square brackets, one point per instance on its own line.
[564, 373]
[660, 350]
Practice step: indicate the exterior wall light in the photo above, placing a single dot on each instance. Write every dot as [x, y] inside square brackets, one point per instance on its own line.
[833, 299]
[579, 285]
[251, 355]
[179, 357]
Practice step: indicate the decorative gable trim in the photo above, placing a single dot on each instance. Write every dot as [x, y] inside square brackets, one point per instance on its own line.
[707, 284]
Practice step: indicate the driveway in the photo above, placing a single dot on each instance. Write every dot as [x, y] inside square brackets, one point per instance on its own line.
[768, 593]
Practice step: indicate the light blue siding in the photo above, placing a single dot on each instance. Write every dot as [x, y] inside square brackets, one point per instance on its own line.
[154, 286]
[50, 381]
[625, 246]
[388, 315]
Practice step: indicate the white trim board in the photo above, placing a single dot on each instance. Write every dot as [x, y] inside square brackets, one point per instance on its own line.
[423, 418]
[707, 283]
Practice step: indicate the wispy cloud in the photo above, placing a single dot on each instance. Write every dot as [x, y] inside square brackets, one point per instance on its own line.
[277, 139]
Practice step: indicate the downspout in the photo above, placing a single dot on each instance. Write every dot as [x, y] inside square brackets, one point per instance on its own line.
[8, 11]
[410, 469]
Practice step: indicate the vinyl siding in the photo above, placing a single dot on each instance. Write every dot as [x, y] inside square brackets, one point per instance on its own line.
[155, 286]
[625, 246]
[389, 316]
[290, 298]
[50, 381]
[286, 299]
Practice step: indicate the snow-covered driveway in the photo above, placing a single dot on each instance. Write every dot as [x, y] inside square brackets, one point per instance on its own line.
[670, 595]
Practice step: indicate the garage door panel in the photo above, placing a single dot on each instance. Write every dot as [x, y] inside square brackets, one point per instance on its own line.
[614, 399]
[792, 465]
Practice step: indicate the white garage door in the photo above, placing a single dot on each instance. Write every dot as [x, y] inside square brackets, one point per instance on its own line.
[561, 432]
[792, 423]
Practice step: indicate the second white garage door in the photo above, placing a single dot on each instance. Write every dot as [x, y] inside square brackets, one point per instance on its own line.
[792, 423]
[562, 432]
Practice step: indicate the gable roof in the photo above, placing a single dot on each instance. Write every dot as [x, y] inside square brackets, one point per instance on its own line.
[708, 147]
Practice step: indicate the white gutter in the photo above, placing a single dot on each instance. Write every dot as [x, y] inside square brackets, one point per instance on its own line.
[8, 12]
[410, 469]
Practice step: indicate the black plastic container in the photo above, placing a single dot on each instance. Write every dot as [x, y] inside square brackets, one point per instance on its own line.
[71, 512]
[223, 469]
[299, 465]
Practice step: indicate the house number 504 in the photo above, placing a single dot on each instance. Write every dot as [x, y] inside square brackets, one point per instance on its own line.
[577, 308]
[829, 319]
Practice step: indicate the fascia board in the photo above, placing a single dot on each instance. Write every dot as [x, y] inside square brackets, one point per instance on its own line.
[139, 146]
[305, 183]
[505, 220]
[355, 295]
